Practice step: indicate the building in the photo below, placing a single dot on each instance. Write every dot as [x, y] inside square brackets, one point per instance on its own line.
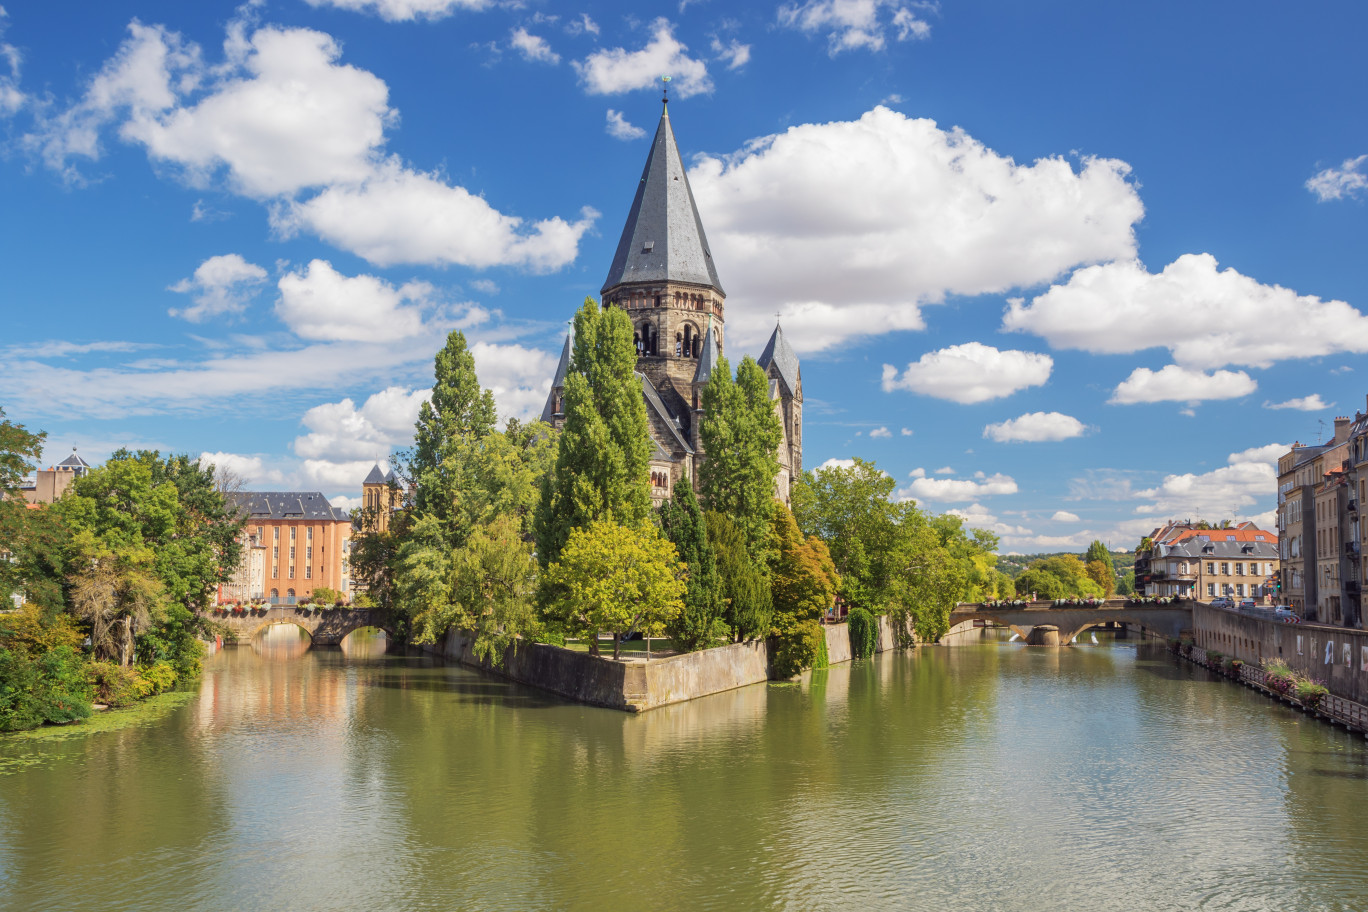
[301, 541]
[51, 483]
[380, 497]
[1316, 528]
[1188, 560]
[664, 277]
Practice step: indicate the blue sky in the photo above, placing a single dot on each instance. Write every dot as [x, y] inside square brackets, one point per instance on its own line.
[1070, 269]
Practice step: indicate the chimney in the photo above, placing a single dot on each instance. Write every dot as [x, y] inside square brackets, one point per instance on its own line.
[1342, 428]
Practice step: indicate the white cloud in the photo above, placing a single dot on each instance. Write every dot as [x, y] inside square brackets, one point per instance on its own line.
[11, 98]
[1312, 403]
[1034, 427]
[946, 470]
[1178, 384]
[1348, 180]
[281, 118]
[616, 70]
[342, 432]
[835, 463]
[977, 516]
[582, 25]
[881, 432]
[906, 432]
[485, 286]
[853, 24]
[346, 504]
[1064, 516]
[734, 54]
[406, 10]
[403, 216]
[518, 377]
[533, 47]
[221, 285]
[940, 214]
[1250, 478]
[1206, 317]
[951, 489]
[64, 348]
[321, 303]
[253, 470]
[325, 475]
[619, 128]
[968, 373]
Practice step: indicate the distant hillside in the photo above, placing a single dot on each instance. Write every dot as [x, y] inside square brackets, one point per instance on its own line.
[1014, 564]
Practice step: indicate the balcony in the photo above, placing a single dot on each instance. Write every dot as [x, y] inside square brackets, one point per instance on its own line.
[1351, 548]
[1163, 575]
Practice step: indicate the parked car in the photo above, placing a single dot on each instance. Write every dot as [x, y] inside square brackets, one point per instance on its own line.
[1222, 601]
[1247, 603]
[1284, 611]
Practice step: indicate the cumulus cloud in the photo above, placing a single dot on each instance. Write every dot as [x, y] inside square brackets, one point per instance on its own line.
[944, 470]
[881, 432]
[321, 303]
[1178, 384]
[343, 432]
[11, 98]
[282, 120]
[856, 24]
[1312, 403]
[906, 432]
[613, 71]
[1205, 316]
[1064, 516]
[955, 489]
[405, 10]
[734, 54]
[221, 285]
[532, 47]
[253, 470]
[835, 463]
[1348, 180]
[1034, 427]
[977, 516]
[619, 128]
[1249, 478]
[519, 377]
[940, 214]
[968, 373]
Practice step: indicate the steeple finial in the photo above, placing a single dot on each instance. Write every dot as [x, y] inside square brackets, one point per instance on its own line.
[665, 92]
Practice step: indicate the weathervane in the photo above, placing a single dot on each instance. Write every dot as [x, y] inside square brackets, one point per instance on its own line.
[665, 91]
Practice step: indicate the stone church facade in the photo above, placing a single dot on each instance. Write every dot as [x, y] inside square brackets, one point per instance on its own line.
[663, 276]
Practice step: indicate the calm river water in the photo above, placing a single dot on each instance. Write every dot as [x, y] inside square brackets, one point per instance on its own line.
[983, 776]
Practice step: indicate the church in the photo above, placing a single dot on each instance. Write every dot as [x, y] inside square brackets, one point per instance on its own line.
[664, 277]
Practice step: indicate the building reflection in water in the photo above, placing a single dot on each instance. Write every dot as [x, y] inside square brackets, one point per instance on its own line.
[365, 643]
[282, 642]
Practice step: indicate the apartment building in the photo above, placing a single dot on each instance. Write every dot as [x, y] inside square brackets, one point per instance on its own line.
[1318, 525]
[1189, 561]
[301, 542]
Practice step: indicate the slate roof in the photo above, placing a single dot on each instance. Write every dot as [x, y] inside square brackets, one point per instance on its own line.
[663, 238]
[654, 402]
[707, 358]
[74, 461]
[1196, 549]
[557, 382]
[779, 353]
[391, 478]
[298, 505]
[375, 476]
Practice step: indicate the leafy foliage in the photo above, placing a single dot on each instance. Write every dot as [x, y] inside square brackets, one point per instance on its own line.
[616, 579]
[1063, 576]
[803, 584]
[700, 624]
[743, 586]
[741, 434]
[602, 464]
[864, 633]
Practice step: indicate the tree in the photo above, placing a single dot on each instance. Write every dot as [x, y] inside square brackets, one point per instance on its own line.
[1127, 584]
[496, 582]
[118, 600]
[803, 584]
[602, 468]
[32, 542]
[43, 674]
[697, 625]
[1105, 574]
[741, 433]
[747, 603]
[848, 507]
[423, 580]
[1060, 576]
[615, 578]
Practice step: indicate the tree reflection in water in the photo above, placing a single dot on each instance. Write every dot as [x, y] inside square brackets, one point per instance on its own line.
[365, 643]
[282, 642]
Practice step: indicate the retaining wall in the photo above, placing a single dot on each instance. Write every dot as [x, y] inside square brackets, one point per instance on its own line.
[1335, 655]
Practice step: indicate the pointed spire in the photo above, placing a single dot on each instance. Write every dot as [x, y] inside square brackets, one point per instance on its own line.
[707, 358]
[779, 353]
[557, 382]
[663, 238]
[376, 477]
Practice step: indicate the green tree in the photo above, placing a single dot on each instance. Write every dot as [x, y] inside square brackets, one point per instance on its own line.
[1059, 576]
[803, 584]
[741, 433]
[747, 603]
[44, 677]
[423, 580]
[602, 462]
[700, 623]
[848, 507]
[615, 578]
[1103, 575]
[1126, 586]
[32, 542]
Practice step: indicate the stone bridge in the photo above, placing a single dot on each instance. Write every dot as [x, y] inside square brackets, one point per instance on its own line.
[1059, 625]
[326, 628]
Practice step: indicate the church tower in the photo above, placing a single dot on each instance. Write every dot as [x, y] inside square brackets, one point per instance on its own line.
[663, 276]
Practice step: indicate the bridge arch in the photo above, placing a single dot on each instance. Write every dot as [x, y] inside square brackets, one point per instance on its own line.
[1167, 620]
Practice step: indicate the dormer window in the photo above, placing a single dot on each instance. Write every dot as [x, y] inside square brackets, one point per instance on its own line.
[648, 246]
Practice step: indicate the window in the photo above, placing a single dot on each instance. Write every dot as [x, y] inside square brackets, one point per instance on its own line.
[275, 596]
[1225, 568]
[293, 530]
[275, 571]
[308, 534]
[1211, 567]
[1239, 569]
[308, 554]
[275, 553]
[275, 533]
[308, 572]
[292, 547]
[1211, 590]
[1239, 589]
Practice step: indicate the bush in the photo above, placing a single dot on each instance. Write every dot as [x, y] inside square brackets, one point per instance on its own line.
[160, 676]
[797, 646]
[51, 688]
[1310, 693]
[864, 633]
[325, 596]
[365, 600]
[117, 685]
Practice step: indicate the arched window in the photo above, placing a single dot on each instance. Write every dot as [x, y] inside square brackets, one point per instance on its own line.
[275, 596]
[650, 339]
[679, 345]
[289, 597]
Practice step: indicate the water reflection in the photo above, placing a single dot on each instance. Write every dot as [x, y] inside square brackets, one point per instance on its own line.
[365, 643]
[282, 642]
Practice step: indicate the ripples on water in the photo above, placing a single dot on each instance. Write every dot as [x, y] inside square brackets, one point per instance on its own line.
[986, 776]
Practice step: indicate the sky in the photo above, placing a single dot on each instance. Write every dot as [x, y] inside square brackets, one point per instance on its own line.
[1067, 269]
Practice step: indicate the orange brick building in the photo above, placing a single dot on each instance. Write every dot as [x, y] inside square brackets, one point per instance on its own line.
[294, 542]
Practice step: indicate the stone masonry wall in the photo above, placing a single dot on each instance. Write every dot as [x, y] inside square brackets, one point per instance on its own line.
[1335, 655]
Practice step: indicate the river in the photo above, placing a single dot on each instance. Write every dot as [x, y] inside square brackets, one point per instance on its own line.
[981, 776]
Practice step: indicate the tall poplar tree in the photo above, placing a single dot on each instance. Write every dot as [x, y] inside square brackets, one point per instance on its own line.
[697, 626]
[602, 469]
[741, 434]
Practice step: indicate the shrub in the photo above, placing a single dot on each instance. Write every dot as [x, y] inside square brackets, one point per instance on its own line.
[801, 645]
[1310, 693]
[1278, 677]
[326, 596]
[1214, 658]
[160, 676]
[365, 600]
[864, 633]
[117, 685]
[50, 688]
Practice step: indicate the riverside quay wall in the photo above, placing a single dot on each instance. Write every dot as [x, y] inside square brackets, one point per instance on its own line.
[637, 685]
[1335, 655]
